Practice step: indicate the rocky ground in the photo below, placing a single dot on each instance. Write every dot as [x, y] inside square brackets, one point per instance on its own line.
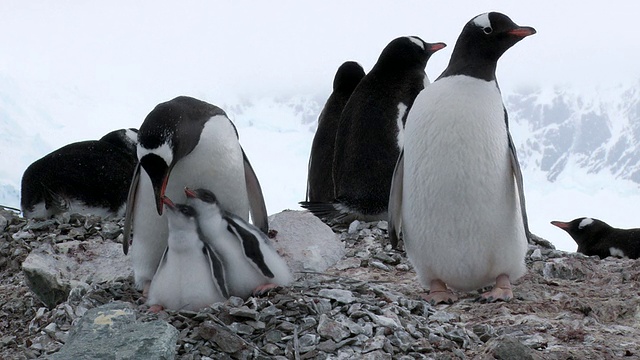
[366, 306]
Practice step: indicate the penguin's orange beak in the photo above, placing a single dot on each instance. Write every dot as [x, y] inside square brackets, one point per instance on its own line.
[560, 224]
[436, 46]
[190, 193]
[168, 202]
[522, 32]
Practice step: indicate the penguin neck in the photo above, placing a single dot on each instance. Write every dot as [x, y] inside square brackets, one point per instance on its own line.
[480, 68]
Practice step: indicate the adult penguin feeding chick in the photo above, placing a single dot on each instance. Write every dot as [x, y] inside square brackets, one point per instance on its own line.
[457, 191]
[370, 132]
[185, 142]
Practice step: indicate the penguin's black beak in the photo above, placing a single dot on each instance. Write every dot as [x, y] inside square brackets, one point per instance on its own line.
[522, 31]
[158, 172]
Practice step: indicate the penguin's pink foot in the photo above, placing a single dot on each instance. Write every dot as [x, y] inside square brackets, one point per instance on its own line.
[440, 294]
[145, 289]
[264, 289]
[155, 308]
[500, 292]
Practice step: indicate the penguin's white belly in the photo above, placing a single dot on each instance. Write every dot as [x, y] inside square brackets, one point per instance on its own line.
[184, 282]
[461, 215]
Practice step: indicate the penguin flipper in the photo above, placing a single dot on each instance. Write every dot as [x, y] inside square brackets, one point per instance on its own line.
[395, 202]
[517, 173]
[257, 206]
[128, 215]
[217, 270]
[250, 240]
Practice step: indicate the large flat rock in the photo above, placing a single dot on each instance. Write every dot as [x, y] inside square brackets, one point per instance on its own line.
[305, 242]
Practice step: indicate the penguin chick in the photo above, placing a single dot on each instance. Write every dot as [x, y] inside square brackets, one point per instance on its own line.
[251, 264]
[595, 237]
[190, 275]
[457, 192]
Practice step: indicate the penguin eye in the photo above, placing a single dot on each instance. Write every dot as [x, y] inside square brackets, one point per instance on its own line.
[487, 30]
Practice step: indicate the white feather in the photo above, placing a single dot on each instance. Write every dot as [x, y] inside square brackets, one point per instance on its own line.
[460, 209]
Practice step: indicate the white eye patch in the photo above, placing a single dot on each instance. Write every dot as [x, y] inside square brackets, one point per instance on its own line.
[416, 41]
[585, 222]
[483, 21]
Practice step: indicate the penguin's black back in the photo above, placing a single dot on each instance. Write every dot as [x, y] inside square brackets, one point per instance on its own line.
[95, 172]
[320, 179]
[366, 148]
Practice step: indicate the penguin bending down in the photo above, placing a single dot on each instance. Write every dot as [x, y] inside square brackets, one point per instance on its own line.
[319, 179]
[87, 177]
[251, 264]
[595, 237]
[185, 142]
[190, 275]
[370, 132]
[457, 192]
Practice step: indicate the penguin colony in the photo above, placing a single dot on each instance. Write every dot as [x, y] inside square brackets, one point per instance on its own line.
[437, 160]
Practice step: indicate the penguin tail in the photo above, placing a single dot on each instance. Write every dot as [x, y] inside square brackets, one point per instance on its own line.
[331, 213]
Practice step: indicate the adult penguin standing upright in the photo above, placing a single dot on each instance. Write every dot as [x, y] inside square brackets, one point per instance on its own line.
[185, 142]
[319, 179]
[457, 189]
[370, 133]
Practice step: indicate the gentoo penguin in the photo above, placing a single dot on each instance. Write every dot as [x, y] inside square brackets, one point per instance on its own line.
[457, 187]
[251, 264]
[185, 142]
[88, 177]
[595, 237]
[190, 274]
[319, 179]
[370, 132]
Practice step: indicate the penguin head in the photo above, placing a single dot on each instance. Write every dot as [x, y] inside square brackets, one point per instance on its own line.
[158, 164]
[584, 229]
[168, 134]
[407, 51]
[348, 77]
[204, 195]
[124, 139]
[487, 36]
[179, 215]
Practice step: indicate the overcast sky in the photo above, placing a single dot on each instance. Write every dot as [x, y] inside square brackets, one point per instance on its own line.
[159, 49]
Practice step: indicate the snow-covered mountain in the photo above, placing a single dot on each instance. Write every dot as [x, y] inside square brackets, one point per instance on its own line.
[579, 148]
[562, 130]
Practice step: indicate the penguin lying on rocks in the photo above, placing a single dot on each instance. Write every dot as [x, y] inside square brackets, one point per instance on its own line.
[88, 177]
[595, 237]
